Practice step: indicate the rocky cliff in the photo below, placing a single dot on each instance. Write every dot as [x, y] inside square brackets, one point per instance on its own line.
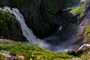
[39, 14]
[42, 15]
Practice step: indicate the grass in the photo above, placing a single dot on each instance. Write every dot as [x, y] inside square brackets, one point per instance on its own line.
[33, 51]
[30, 51]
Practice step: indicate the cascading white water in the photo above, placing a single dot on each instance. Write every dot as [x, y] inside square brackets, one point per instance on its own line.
[25, 30]
[27, 33]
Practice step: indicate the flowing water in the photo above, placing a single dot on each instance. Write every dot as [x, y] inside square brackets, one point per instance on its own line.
[27, 33]
[55, 42]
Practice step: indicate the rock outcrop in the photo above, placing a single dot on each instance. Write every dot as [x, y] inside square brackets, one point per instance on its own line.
[9, 27]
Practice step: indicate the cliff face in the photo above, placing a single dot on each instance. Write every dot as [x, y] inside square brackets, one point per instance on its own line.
[86, 31]
[40, 15]
[83, 23]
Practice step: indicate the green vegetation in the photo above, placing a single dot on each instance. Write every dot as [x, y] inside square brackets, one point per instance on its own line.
[87, 31]
[30, 51]
[33, 51]
[86, 34]
[8, 26]
[79, 10]
[5, 20]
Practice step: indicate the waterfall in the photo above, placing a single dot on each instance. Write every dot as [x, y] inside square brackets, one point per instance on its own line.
[25, 30]
[27, 33]
[54, 43]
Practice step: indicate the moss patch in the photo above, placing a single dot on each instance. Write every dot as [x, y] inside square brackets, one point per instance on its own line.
[30, 51]
[9, 26]
[86, 35]
[33, 52]
[79, 10]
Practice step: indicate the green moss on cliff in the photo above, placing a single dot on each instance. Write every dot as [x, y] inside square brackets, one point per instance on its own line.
[9, 27]
[79, 10]
[87, 32]
[86, 35]
[5, 21]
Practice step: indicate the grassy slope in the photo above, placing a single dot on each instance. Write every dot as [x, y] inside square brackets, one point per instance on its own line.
[30, 51]
[33, 51]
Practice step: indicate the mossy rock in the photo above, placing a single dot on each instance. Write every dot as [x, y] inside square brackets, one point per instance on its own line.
[9, 26]
[79, 10]
[86, 35]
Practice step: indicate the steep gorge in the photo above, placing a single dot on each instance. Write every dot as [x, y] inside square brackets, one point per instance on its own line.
[45, 21]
